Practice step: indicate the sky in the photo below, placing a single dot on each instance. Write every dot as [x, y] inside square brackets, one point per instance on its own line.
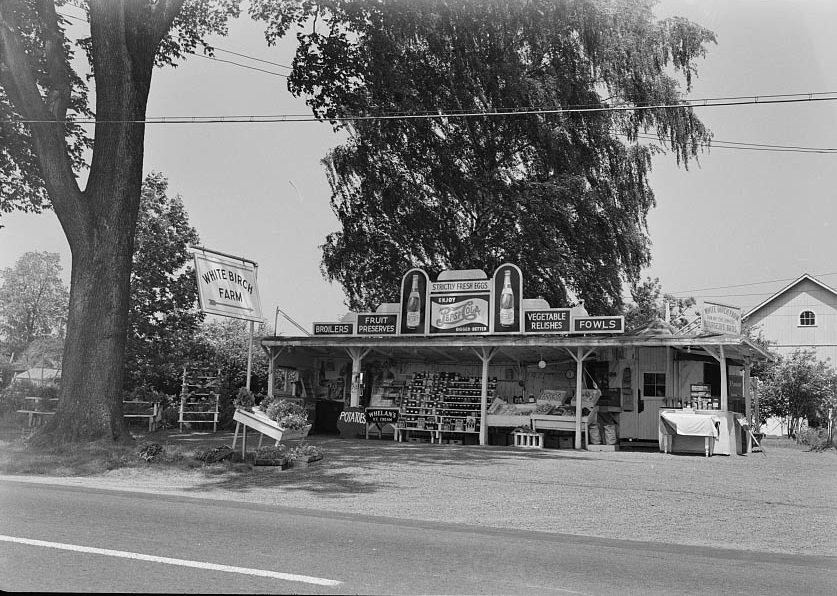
[734, 228]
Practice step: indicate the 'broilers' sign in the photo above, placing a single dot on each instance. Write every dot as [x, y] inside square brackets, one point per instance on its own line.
[227, 287]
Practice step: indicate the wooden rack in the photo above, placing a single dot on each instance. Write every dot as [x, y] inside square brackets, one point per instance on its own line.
[199, 398]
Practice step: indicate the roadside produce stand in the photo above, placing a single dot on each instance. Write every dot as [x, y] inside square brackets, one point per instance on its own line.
[464, 371]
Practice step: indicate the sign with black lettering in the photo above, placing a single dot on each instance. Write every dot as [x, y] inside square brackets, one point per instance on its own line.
[553, 320]
[334, 328]
[227, 286]
[599, 324]
[377, 324]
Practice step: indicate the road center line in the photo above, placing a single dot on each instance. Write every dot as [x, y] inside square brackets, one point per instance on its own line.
[170, 561]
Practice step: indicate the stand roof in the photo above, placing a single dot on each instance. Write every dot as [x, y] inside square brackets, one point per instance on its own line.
[509, 348]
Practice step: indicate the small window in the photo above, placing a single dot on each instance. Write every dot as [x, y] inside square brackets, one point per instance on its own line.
[807, 319]
[654, 384]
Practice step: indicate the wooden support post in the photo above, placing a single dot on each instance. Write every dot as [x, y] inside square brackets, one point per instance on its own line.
[724, 382]
[357, 355]
[249, 356]
[485, 355]
[579, 356]
[748, 400]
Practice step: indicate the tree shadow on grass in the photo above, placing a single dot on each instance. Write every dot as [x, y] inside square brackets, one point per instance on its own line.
[333, 476]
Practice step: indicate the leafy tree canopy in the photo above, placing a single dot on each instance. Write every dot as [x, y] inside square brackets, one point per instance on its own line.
[798, 387]
[649, 304]
[564, 194]
[163, 313]
[33, 300]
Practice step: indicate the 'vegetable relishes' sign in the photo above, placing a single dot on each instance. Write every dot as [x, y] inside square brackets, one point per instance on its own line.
[553, 320]
[599, 324]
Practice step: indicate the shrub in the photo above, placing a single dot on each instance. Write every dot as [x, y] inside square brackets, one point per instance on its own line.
[215, 455]
[277, 454]
[306, 451]
[244, 400]
[171, 416]
[816, 439]
[149, 452]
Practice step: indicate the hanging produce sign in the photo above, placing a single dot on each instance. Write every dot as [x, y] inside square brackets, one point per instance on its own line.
[227, 285]
[333, 328]
[508, 292]
[414, 303]
[552, 320]
[720, 318]
[599, 324]
[377, 324]
[459, 306]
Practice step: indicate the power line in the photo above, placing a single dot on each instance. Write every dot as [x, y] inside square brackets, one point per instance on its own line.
[276, 74]
[708, 102]
[755, 283]
[715, 143]
[253, 58]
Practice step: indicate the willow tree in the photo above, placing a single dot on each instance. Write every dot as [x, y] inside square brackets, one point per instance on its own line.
[43, 150]
[483, 131]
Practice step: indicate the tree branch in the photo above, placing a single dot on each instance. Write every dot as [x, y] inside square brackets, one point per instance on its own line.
[18, 79]
[58, 98]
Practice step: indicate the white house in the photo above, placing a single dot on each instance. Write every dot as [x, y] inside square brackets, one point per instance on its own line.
[802, 315]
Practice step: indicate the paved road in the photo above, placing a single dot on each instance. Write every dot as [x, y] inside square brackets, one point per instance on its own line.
[60, 538]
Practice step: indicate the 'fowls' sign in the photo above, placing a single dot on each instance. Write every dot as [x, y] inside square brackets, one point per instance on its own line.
[227, 286]
[599, 324]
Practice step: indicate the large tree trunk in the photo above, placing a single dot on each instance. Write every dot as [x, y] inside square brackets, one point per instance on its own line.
[90, 406]
[100, 222]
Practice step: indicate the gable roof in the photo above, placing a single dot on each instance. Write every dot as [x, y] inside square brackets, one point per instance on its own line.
[804, 277]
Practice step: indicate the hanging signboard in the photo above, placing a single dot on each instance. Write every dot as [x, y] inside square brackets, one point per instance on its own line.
[413, 320]
[598, 324]
[227, 285]
[377, 324]
[507, 294]
[552, 320]
[333, 328]
[460, 306]
[720, 318]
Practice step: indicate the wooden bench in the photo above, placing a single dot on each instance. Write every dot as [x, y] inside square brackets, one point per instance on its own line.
[154, 416]
[35, 416]
[38, 407]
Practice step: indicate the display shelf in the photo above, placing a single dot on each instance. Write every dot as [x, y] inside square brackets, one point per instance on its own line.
[199, 398]
[442, 403]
